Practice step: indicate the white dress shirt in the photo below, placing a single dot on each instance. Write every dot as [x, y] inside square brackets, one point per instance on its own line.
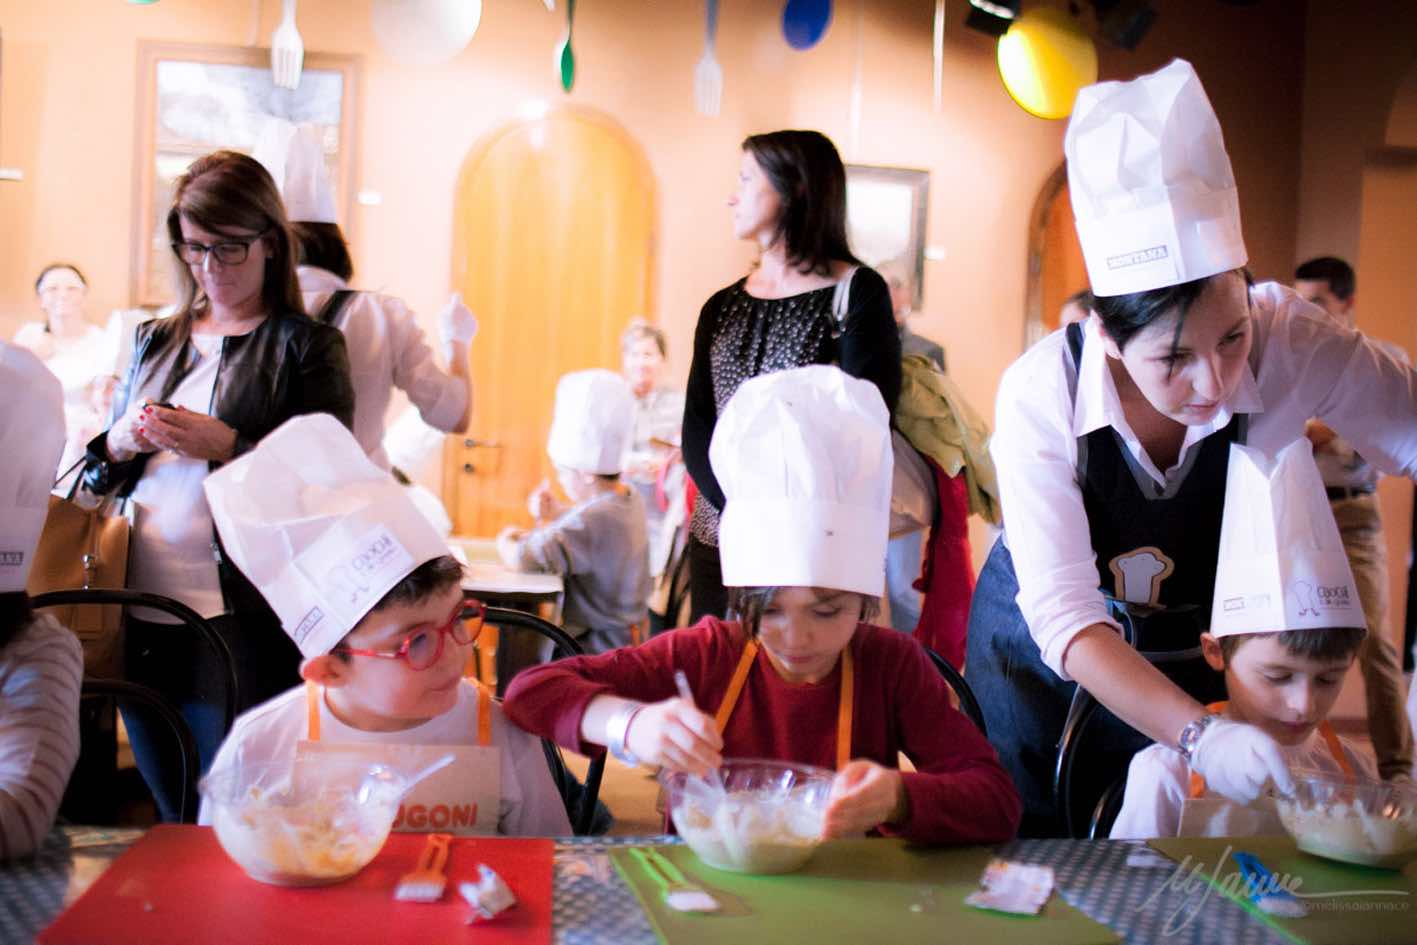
[1301, 365]
[387, 349]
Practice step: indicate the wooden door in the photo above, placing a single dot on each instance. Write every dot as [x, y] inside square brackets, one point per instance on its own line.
[553, 238]
[1055, 265]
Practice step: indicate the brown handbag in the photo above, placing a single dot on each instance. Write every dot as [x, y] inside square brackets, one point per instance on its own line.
[83, 548]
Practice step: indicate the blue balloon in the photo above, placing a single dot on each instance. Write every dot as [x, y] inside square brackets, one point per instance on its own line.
[804, 22]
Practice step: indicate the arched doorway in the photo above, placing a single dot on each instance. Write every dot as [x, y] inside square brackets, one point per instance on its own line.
[1055, 265]
[553, 239]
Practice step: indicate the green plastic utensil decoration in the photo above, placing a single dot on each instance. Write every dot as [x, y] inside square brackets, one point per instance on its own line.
[565, 58]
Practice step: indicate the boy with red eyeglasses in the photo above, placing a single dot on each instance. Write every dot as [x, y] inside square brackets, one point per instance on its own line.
[365, 587]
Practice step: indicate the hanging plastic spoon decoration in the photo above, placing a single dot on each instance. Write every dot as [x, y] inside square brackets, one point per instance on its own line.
[804, 22]
[565, 58]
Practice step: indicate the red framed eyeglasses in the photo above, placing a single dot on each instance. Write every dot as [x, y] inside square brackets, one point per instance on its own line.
[423, 648]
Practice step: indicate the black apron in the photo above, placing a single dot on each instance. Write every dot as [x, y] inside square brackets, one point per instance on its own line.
[1157, 550]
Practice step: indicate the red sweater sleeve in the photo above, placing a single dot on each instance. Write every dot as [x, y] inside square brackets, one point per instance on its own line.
[959, 792]
[549, 700]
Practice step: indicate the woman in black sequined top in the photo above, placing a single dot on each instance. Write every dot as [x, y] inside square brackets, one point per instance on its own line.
[791, 201]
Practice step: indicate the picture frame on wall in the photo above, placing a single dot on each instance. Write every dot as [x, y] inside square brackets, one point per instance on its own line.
[886, 213]
[195, 99]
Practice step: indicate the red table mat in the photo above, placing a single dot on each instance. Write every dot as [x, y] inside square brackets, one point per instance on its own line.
[176, 886]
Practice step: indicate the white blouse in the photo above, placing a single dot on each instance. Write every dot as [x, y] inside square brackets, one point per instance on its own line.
[1301, 365]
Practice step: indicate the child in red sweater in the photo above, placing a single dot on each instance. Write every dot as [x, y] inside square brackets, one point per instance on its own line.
[804, 458]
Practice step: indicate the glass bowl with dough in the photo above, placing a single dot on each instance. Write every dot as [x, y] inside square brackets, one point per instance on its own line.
[763, 817]
[1371, 823]
[303, 822]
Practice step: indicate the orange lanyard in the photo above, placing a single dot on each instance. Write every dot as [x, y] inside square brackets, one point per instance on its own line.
[843, 710]
[1330, 738]
[484, 713]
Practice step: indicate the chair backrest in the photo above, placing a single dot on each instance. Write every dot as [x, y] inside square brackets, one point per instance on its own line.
[967, 703]
[190, 621]
[1082, 789]
[581, 810]
[1109, 805]
[178, 753]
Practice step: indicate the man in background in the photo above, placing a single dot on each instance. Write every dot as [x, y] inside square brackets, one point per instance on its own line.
[1352, 484]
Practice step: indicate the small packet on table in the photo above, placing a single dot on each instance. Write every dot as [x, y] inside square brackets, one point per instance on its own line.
[1017, 888]
[489, 897]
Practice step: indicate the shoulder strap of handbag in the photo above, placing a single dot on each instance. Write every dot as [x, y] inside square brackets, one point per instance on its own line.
[335, 304]
[841, 299]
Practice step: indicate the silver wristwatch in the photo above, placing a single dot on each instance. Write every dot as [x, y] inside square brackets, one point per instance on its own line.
[1191, 735]
[616, 730]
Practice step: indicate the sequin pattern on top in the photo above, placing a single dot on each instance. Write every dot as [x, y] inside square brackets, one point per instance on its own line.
[759, 336]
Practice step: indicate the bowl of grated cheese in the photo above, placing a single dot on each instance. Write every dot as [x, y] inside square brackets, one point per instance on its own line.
[1370, 823]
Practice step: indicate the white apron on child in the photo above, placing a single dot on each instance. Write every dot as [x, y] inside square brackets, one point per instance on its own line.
[843, 711]
[1203, 816]
[463, 798]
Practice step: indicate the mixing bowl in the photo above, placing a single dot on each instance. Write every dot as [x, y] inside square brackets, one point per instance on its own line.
[1372, 823]
[765, 818]
[303, 822]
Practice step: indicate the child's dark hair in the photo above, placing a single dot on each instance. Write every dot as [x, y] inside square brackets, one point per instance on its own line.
[429, 578]
[15, 615]
[746, 604]
[1124, 316]
[1321, 644]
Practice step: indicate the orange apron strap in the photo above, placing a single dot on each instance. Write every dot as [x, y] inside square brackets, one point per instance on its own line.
[1197, 782]
[1335, 747]
[312, 711]
[484, 716]
[843, 710]
[735, 685]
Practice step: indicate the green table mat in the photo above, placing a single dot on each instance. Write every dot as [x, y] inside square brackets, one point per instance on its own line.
[854, 891]
[1357, 905]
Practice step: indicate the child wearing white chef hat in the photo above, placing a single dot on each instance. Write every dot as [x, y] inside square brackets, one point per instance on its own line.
[804, 458]
[41, 663]
[365, 587]
[1284, 629]
[599, 543]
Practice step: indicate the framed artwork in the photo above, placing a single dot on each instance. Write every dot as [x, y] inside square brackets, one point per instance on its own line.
[885, 221]
[196, 99]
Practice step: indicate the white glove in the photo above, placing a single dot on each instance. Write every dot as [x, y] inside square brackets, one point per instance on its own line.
[456, 324]
[1237, 760]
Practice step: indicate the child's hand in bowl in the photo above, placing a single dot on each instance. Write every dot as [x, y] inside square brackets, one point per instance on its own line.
[675, 735]
[864, 795]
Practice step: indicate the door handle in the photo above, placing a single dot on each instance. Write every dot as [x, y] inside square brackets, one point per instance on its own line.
[470, 443]
[468, 468]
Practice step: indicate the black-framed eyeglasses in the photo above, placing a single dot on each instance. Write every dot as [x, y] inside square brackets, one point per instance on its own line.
[423, 648]
[231, 252]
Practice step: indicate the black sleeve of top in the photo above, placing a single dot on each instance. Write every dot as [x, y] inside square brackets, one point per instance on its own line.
[700, 409]
[870, 344]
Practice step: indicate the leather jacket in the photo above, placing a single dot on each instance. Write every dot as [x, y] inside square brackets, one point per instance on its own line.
[287, 366]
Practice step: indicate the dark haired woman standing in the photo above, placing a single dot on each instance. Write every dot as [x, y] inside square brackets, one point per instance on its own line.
[1112, 443]
[790, 201]
[237, 359]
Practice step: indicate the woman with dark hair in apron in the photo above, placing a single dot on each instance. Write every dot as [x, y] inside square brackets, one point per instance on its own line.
[1111, 443]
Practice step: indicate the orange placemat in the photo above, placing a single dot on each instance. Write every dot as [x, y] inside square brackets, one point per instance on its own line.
[176, 886]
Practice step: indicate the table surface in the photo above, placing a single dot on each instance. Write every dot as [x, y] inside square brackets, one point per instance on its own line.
[1122, 884]
[486, 574]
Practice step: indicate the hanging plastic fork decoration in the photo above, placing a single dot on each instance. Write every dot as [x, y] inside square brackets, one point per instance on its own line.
[708, 74]
[287, 50]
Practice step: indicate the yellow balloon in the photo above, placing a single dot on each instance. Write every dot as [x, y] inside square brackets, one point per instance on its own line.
[1044, 59]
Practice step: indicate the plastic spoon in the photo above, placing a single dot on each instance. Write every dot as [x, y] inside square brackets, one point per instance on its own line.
[712, 779]
[565, 58]
[377, 780]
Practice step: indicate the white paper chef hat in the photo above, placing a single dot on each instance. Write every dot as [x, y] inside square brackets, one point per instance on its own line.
[804, 459]
[594, 423]
[320, 530]
[295, 156]
[32, 441]
[1150, 183]
[1282, 564]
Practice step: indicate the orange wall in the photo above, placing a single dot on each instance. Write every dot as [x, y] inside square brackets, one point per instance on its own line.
[68, 101]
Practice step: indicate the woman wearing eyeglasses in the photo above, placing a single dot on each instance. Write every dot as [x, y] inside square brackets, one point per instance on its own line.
[238, 358]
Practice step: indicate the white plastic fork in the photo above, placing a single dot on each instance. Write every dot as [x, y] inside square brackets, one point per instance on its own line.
[287, 50]
[708, 74]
